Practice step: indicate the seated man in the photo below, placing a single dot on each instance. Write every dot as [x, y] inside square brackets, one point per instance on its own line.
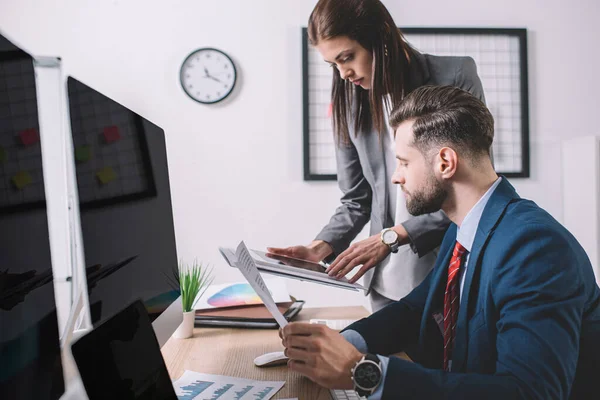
[511, 309]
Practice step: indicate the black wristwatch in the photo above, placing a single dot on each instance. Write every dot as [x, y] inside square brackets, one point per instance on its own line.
[366, 375]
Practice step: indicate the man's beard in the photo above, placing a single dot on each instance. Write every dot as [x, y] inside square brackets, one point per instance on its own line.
[427, 200]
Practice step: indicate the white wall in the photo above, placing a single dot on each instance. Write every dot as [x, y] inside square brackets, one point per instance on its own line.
[236, 168]
[582, 192]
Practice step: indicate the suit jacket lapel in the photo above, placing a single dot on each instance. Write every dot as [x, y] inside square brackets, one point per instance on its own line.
[377, 164]
[436, 289]
[387, 182]
[492, 214]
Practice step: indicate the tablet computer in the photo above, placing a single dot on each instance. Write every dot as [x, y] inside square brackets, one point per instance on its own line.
[299, 269]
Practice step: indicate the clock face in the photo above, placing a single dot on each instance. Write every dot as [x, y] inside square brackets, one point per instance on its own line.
[208, 75]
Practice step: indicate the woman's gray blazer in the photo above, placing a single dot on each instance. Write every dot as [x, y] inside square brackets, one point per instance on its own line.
[364, 181]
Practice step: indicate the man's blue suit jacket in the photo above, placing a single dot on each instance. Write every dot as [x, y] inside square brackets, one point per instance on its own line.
[529, 318]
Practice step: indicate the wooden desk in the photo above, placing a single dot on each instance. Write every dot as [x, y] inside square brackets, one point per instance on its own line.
[231, 352]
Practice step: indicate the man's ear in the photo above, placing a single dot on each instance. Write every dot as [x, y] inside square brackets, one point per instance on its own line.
[446, 162]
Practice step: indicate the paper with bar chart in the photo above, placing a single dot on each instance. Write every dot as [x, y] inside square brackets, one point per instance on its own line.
[197, 386]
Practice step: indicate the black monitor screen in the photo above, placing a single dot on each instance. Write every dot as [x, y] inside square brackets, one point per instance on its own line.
[125, 205]
[30, 363]
[120, 359]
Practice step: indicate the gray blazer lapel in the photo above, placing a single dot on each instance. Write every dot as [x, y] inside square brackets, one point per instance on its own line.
[376, 160]
[373, 166]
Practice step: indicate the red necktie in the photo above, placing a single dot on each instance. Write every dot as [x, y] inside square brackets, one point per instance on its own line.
[451, 301]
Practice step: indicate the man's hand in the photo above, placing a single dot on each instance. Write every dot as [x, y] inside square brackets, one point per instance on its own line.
[368, 252]
[320, 353]
[315, 252]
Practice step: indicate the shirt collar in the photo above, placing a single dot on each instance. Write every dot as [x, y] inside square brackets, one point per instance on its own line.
[466, 232]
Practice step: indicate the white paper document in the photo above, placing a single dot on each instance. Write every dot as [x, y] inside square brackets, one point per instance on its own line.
[248, 268]
[197, 386]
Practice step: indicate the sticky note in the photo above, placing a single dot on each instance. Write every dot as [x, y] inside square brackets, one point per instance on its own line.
[2, 154]
[111, 134]
[22, 179]
[29, 136]
[106, 175]
[83, 153]
[329, 110]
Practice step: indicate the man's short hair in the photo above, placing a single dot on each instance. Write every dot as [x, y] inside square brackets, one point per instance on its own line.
[445, 116]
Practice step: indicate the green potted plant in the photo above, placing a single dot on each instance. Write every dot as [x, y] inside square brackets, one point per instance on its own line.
[193, 281]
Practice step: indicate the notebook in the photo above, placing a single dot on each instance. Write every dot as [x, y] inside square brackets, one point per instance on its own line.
[255, 316]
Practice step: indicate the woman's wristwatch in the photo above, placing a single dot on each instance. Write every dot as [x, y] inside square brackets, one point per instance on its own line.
[367, 375]
[390, 238]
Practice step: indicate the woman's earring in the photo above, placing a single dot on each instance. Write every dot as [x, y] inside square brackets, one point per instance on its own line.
[385, 50]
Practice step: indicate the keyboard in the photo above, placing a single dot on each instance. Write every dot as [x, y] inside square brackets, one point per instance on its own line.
[335, 324]
[344, 394]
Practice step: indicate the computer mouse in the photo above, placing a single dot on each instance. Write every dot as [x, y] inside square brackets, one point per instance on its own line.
[270, 359]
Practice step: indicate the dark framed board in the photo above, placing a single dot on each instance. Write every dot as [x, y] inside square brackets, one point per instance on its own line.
[501, 58]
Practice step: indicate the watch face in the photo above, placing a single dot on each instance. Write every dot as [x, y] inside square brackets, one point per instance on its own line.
[367, 375]
[208, 75]
[390, 236]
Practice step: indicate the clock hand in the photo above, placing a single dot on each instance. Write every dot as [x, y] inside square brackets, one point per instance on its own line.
[208, 75]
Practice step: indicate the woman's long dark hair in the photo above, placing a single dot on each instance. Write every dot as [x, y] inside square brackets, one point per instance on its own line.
[371, 25]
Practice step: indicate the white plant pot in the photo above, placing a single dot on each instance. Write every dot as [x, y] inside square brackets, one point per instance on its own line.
[186, 329]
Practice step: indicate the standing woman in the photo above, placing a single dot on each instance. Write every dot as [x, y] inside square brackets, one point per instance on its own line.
[373, 69]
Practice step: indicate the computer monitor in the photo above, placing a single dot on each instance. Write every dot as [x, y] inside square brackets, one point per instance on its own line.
[30, 356]
[125, 209]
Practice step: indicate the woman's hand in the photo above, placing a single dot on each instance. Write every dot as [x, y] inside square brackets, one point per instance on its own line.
[368, 252]
[315, 252]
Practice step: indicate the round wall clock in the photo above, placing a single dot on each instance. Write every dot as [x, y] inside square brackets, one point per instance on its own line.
[208, 75]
